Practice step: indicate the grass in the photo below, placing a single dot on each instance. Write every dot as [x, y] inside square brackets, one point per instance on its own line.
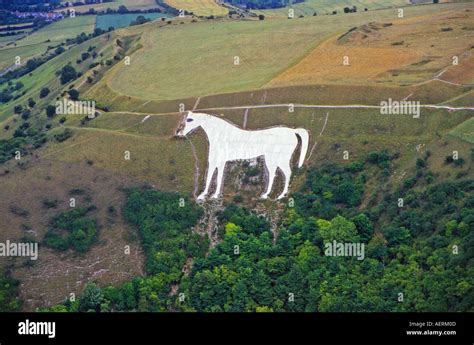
[199, 7]
[168, 163]
[308, 7]
[210, 48]
[60, 30]
[44, 76]
[51, 278]
[38, 41]
[465, 131]
[130, 4]
[123, 20]
[374, 58]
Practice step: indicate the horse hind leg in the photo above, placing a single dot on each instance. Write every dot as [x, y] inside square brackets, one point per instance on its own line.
[287, 175]
[271, 178]
[219, 181]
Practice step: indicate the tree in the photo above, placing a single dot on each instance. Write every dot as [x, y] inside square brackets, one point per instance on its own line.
[67, 74]
[17, 109]
[25, 114]
[338, 229]
[73, 94]
[31, 102]
[364, 226]
[50, 110]
[44, 92]
[91, 298]
[122, 9]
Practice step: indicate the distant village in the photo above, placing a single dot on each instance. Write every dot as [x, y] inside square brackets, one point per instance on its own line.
[47, 16]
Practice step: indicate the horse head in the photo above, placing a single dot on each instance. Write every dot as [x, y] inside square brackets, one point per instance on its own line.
[190, 122]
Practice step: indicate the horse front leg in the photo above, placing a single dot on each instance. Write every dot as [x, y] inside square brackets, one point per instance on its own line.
[271, 177]
[220, 180]
[210, 173]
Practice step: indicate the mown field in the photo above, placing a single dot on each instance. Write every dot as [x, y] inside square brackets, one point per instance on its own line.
[130, 4]
[211, 47]
[199, 7]
[117, 21]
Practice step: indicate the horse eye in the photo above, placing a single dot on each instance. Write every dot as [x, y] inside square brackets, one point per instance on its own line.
[189, 120]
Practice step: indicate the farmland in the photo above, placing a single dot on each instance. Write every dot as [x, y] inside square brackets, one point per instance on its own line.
[37, 43]
[130, 4]
[199, 7]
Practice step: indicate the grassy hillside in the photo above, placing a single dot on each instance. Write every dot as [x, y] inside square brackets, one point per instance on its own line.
[50, 35]
[210, 48]
[402, 52]
[281, 61]
[44, 76]
[308, 7]
[117, 21]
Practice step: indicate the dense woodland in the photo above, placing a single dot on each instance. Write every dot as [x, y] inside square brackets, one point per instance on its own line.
[410, 263]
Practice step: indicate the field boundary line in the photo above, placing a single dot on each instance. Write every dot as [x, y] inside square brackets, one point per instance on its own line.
[327, 106]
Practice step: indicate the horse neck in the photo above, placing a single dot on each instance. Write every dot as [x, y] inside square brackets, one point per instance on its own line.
[210, 125]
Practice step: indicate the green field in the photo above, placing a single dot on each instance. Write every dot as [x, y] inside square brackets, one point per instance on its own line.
[123, 20]
[465, 131]
[199, 7]
[308, 7]
[37, 42]
[162, 69]
[130, 4]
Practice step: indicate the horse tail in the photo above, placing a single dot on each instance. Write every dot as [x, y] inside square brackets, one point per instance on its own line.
[304, 135]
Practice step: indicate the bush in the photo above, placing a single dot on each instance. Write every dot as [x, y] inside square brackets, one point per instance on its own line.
[73, 94]
[17, 109]
[31, 102]
[63, 136]
[67, 74]
[50, 110]
[44, 92]
[72, 229]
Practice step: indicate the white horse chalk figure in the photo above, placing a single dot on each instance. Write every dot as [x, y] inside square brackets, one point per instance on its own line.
[230, 143]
